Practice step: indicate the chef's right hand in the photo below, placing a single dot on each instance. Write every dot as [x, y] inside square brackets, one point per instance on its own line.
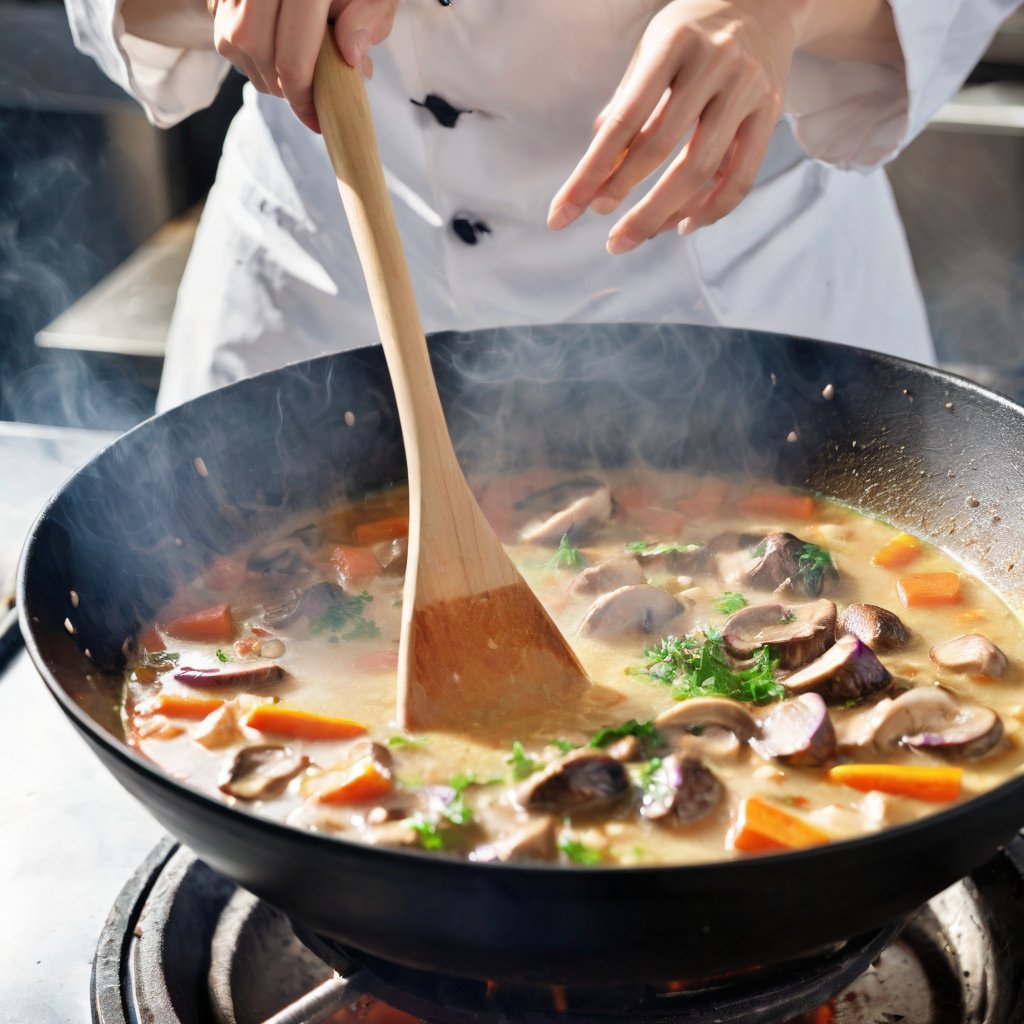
[276, 42]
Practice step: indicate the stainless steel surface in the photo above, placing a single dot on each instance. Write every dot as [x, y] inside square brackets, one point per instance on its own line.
[69, 837]
[129, 311]
[316, 1006]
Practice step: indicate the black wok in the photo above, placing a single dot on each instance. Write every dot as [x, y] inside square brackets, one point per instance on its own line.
[928, 452]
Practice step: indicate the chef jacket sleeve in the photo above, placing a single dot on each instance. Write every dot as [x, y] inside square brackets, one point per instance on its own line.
[857, 115]
[168, 82]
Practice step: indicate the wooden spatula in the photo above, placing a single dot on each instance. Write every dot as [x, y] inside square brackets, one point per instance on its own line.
[477, 649]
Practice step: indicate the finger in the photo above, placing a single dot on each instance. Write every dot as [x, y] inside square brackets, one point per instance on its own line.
[688, 95]
[741, 172]
[684, 184]
[240, 60]
[252, 30]
[300, 34]
[361, 24]
[636, 104]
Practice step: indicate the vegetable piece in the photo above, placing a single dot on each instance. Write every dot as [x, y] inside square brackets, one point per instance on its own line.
[786, 506]
[920, 781]
[535, 841]
[381, 529]
[796, 634]
[729, 602]
[879, 628]
[221, 656]
[898, 552]
[261, 772]
[663, 522]
[798, 732]
[175, 705]
[708, 499]
[575, 507]
[608, 575]
[304, 725]
[764, 826]
[971, 653]
[584, 778]
[212, 624]
[636, 608]
[354, 564]
[701, 712]
[848, 670]
[523, 766]
[151, 642]
[579, 852]
[679, 791]
[643, 731]
[363, 780]
[926, 589]
[568, 556]
[239, 674]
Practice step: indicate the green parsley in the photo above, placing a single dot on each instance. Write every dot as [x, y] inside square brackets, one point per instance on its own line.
[730, 602]
[578, 852]
[160, 657]
[427, 832]
[221, 656]
[431, 828]
[759, 551]
[563, 745]
[650, 547]
[643, 731]
[700, 668]
[523, 766]
[405, 741]
[568, 556]
[348, 615]
[813, 562]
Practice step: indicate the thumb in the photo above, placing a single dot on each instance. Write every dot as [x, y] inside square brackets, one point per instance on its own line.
[360, 24]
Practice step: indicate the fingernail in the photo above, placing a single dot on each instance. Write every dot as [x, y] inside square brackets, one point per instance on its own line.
[563, 215]
[358, 44]
[367, 68]
[685, 226]
[618, 244]
[605, 204]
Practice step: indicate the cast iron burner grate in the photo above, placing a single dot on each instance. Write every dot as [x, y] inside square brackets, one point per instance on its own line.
[183, 945]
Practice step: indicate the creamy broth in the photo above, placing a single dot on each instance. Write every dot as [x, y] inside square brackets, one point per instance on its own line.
[484, 796]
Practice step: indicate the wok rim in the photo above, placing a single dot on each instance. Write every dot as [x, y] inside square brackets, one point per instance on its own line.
[93, 733]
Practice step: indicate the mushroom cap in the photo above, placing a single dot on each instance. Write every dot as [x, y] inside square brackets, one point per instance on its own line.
[848, 670]
[878, 627]
[717, 711]
[797, 633]
[261, 771]
[971, 653]
[584, 778]
[683, 791]
[635, 608]
[798, 732]
[611, 574]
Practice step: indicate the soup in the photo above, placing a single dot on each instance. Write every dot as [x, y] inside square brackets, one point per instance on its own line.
[769, 671]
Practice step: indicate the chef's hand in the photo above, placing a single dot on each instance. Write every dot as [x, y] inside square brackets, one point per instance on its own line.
[276, 42]
[718, 67]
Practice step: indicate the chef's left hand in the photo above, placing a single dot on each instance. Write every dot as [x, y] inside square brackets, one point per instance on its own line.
[718, 67]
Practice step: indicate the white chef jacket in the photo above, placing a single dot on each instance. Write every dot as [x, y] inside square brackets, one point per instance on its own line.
[816, 249]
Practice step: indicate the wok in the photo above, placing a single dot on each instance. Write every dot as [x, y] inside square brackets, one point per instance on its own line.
[924, 450]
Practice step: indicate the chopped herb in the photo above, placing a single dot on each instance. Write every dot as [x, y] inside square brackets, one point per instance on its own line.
[648, 772]
[221, 656]
[568, 556]
[650, 547]
[643, 731]
[654, 783]
[700, 668]
[429, 835]
[759, 551]
[579, 853]
[789, 616]
[405, 741]
[339, 616]
[730, 602]
[431, 828]
[523, 766]
[813, 562]
[396, 602]
[563, 745]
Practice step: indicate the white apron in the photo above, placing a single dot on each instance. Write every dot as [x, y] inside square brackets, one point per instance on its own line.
[482, 110]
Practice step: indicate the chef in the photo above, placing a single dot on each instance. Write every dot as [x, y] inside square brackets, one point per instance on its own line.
[698, 161]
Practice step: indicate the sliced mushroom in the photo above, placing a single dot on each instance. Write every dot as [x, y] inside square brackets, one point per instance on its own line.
[847, 671]
[393, 555]
[798, 732]
[708, 711]
[582, 779]
[638, 608]
[681, 791]
[240, 674]
[782, 566]
[674, 559]
[971, 653]
[729, 556]
[610, 574]
[261, 772]
[574, 508]
[310, 603]
[797, 634]
[879, 628]
[929, 718]
[535, 841]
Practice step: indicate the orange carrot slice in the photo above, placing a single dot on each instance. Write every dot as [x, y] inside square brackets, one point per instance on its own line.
[920, 781]
[765, 826]
[176, 705]
[898, 552]
[355, 565]
[660, 523]
[708, 499]
[364, 780]
[303, 725]
[784, 506]
[925, 589]
[209, 624]
[151, 641]
[381, 529]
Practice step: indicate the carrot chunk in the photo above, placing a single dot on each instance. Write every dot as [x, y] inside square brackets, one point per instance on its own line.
[364, 780]
[920, 781]
[355, 565]
[151, 641]
[765, 826]
[303, 725]
[708, 499]
[923, 589]
[381, 529]
[176, 705]
[658, 522]
[213, 623]
[898, 552]
[786, 506]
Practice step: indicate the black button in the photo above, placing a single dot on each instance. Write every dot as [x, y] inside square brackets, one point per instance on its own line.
[445, 113]
[469, 230]
[445, 3]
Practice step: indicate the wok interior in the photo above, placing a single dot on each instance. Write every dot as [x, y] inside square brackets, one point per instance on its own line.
[922, 450]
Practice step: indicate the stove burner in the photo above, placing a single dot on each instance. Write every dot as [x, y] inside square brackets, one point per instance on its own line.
[184, 946]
